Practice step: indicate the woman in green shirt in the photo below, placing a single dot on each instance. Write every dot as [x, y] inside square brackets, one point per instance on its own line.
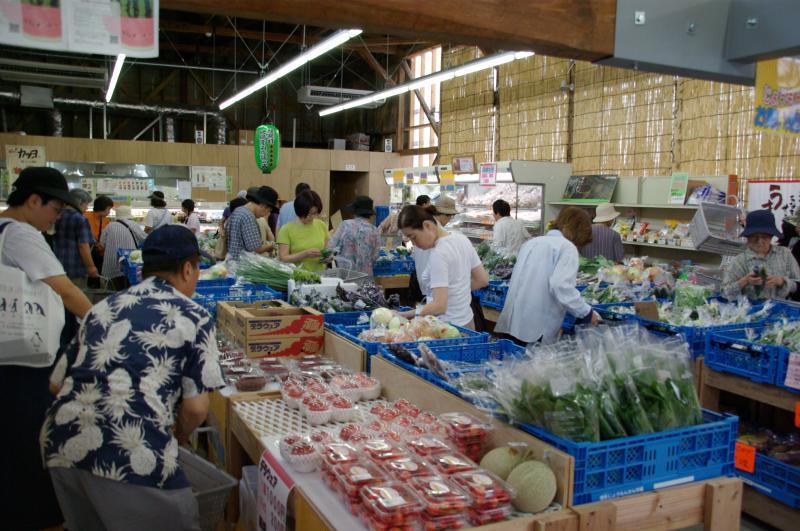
[302, 240]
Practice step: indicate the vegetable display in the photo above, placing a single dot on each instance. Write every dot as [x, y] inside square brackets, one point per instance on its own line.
[604, 384]
[535, 485]
[275, 274]
[388, 328]
[784, 448]
[365, 298]
[711, 313]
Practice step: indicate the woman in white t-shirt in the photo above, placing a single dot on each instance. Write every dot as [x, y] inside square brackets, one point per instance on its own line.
[454, 269]
[190, 218]
[158, 216]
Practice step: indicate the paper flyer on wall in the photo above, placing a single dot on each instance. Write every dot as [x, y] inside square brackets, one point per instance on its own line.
[208, 176]
[107, 27]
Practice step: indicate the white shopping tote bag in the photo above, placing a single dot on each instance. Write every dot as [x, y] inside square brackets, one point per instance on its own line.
[31, 317]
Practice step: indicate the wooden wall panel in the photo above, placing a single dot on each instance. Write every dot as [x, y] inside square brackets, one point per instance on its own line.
[357, 160]
[173, 154]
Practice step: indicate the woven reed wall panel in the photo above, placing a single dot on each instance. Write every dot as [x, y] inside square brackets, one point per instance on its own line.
[624, 121]
[468, 116]
[533, 109]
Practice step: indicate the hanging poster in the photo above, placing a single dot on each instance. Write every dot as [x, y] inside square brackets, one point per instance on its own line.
[20, 157]
[184, 190]
[488, 175]
[217, 181]
[778, 96]
[107, 27]
[782, 197]
[202, 176]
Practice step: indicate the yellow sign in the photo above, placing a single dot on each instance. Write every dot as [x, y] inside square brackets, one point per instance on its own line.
[777, 104]
[397, 177]
[447, 179]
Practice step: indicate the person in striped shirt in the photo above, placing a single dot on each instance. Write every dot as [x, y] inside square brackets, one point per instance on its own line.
[122, 233]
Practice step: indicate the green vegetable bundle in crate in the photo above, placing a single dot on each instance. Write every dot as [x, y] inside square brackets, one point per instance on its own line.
[604, 384]
[260, 269]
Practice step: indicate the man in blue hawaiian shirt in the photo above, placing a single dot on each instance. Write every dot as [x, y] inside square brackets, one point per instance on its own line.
[132, 385]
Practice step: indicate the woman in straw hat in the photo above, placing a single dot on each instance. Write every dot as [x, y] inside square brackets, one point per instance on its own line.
[606, 242]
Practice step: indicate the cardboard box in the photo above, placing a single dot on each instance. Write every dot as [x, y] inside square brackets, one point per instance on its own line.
[280, 322]
[284, 346]
[226, 311]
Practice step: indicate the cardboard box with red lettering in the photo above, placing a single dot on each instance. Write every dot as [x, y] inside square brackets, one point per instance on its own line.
[281, 331]
[226, 311]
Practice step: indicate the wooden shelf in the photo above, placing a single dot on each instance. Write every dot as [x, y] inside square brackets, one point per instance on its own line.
[675, 247]
[626, 205]
[769, 510]
[713, 382]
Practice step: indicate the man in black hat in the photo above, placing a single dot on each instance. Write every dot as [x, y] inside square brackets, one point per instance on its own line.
[242, 231]
[133, 386]
[27, 500]
[357, 242]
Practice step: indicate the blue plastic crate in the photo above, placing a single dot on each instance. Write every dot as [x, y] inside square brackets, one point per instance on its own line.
[387, 268]
[775, 479]
[465, 353]
[731, 351]
[641, 463]
[350, 318]
[351, 333]
[215, 282]
[208, 297]
[610, 311]
[695, 336]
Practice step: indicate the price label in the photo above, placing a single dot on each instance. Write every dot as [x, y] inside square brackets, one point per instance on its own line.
[793, 371]
[744, 457]
[797, 414]
[274, 487]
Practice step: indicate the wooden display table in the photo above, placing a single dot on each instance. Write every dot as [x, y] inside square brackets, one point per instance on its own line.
[712, 383]
[394, 282]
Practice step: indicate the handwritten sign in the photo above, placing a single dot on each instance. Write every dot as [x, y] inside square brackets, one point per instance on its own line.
[744, 457]
[20, 157]
[274, 487]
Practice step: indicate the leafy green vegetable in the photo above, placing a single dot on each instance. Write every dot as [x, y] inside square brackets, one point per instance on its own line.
[263, 270]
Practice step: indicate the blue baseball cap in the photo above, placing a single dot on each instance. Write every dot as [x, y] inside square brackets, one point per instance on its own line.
[169, 243]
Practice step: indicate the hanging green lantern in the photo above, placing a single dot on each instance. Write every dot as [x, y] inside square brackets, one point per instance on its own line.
[267, 144]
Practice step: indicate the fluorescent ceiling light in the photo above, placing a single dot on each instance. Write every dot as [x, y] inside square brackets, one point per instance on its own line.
[115, 76]
[437, 77]
[337, 39]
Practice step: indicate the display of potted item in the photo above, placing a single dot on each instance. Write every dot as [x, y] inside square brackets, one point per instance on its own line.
[41, 18]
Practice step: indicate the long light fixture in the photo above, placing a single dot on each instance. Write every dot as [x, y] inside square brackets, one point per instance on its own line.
[112, 84]
[437, 77]
[337, 39]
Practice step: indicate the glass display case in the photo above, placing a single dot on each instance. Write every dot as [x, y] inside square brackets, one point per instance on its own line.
[475, 203]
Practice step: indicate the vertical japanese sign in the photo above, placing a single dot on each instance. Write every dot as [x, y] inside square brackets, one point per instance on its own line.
[677, 188]
[778, 96]
[397, 178]
[488, 174]
[274, 487]
[107, 27]
[781, 197]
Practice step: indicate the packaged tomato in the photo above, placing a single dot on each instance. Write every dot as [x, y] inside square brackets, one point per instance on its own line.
[486, 490]
[464, 427]
[389, 414]
[426, 446]
[377, 409]
[376, 426]
[392, 504]
[304, 457]
[439, 496]
[370, 388]
[452, 463]
[342, 409]
[477, 518]
[292, 394]
[348, 389]
[348, 430]
[442, 523]
[362, 436]
[353, 476]
[321, 437]
[286, 443]
[316, 386]
[317, 411]
[405, 468]
[391, 435]
[382, 450]
[337, 454]
[426, 417]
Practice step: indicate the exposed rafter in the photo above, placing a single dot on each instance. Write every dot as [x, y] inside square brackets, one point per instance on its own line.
[422, 102]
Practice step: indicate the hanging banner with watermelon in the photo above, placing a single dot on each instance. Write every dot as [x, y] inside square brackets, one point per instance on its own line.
[267, 144]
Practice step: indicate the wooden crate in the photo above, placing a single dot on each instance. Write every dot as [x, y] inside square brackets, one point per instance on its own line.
[399, 383]
[346, 352]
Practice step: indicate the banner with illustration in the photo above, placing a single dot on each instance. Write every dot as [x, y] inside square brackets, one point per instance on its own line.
[778, 96]
[782, 197]
[107, 27]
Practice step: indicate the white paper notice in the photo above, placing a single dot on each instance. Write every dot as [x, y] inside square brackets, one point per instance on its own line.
[184, 190]
[793, 371]
[217, 181]
[95, 25]
[274, 487]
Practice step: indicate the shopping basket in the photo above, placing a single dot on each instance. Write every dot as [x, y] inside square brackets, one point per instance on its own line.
[211, 487]
[715, 229]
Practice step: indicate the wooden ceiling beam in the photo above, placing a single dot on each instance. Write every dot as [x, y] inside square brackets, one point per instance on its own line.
[379, 45]
[577, 29]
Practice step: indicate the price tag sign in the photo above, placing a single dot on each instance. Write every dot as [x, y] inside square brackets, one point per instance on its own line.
[488, 175]
[647, 309]
[797, 414]
[274, 487]
[744, 457]
[397, 177]
[793, 371]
